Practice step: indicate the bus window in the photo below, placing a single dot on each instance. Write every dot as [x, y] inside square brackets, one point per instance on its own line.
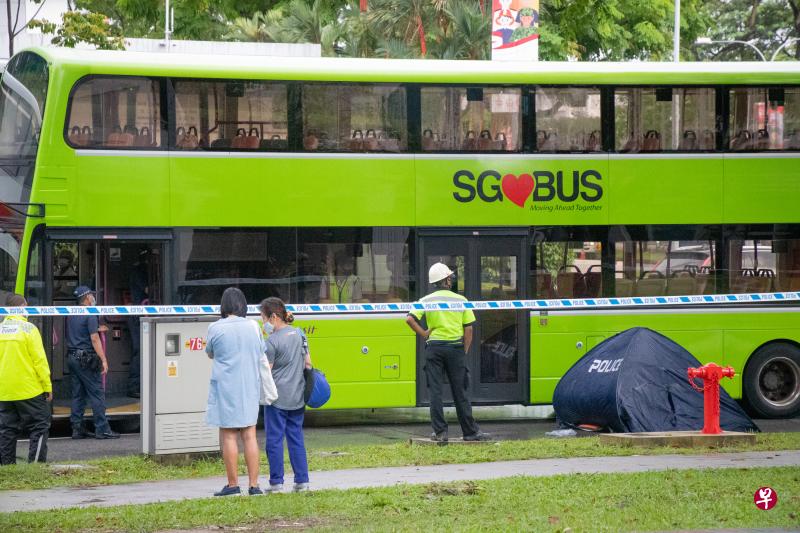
[354, 118]
[658, 268]
[230, 115]
[569, 269]
[568, 119]
[115, 112]
[764, 265]
[471, 119]
[664, 119]
[352, 265]
[765, 119]
[259, 262]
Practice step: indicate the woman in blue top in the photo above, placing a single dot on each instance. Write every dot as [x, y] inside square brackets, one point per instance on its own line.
[235, 345]
[287, 352]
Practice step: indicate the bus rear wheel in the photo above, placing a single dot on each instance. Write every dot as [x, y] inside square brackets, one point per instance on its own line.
[772, 381]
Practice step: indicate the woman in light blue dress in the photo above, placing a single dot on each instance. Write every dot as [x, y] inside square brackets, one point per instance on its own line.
[235, 345]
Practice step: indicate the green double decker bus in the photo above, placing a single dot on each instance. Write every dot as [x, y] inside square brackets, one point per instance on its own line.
[166, 178]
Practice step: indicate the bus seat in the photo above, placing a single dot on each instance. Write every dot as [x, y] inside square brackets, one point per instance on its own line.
[470, 143]
[220, 144]
[624, 287]
[594, 142]
[187, 140]
[119, 138]
[762, 140]
[485, 141]
[651, 287]
[738, 284]
[389, 143]
[758, 284]
[689, 141]
[543, 282]
[500, 141]
[429, 141]
[632, 145]
[370, 140]
[742, 141]
[570, 284]
[80, 137]
[310, 141]
[550, 143]
[682, 286]
[652, 141]
[708, 140]
[356, 142]
[792, 142]
[594, 281]
[144, 139]
[238, 142]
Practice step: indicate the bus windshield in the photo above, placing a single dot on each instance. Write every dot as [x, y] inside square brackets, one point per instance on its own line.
[23, 89]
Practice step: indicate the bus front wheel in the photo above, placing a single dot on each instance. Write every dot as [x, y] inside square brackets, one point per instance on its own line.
[772, 381]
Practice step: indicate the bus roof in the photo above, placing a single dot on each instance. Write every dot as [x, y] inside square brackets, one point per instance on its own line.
[423, 71]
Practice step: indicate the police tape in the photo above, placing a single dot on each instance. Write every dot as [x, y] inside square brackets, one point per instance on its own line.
[313, 309]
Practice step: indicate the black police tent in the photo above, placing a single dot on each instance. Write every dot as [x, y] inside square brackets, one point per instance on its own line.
[636, 381]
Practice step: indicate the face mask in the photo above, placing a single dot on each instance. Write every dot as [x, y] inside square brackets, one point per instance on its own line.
[268, 328]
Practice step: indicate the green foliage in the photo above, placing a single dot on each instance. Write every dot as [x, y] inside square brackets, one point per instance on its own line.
[79, 27]
[767, 24]
[590, 30]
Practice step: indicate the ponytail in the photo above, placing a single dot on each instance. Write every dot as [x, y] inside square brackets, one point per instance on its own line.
[275, 306]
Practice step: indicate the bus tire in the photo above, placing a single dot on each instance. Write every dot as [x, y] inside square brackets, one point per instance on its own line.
[771, 381]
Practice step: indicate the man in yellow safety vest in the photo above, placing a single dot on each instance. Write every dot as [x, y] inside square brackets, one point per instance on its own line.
[25, 388]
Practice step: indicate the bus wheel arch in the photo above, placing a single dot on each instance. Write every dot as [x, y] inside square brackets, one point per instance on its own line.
[771, 379]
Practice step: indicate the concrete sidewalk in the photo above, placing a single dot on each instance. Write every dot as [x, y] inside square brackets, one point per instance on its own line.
[161, 491]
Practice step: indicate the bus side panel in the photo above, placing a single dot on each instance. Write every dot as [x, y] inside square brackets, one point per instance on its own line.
[672, 189]
[501, 191]
[368, 362]
[726, 338]
[121, 191]
[260, 191]
[761, 189]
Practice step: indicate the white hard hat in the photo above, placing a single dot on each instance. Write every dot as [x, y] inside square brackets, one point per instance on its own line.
[438, 272]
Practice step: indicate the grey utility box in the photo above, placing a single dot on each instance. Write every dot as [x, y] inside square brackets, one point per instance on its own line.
[175, 377]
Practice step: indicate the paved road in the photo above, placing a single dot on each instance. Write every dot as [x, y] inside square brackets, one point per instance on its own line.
[64, 449]
[160, 491]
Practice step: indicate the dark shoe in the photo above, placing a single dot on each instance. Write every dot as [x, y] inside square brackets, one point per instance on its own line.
[107, 435]
[227, 490]
[479, 436]
[439, 437]
[254, 491]
[78, 434]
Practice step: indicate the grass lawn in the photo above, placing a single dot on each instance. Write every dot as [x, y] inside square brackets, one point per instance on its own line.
[138, 468]
[582, 502]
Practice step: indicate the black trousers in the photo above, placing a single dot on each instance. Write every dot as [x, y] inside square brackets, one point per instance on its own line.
[441, 359]
[32, 415]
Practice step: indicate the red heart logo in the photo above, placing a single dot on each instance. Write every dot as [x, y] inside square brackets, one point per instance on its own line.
[518, 188]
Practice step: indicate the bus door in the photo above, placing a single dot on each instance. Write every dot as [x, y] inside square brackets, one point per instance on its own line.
[488, 266]
[122, 272]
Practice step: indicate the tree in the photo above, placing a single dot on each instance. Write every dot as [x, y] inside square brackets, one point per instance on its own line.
[15, 25]
[617, 30]
[82, 27]
[767, 24]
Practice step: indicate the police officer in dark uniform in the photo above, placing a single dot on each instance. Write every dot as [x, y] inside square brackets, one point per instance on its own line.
[87, 364]
[448, 339]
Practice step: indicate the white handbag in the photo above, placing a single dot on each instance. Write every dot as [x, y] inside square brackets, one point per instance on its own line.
[268, 392]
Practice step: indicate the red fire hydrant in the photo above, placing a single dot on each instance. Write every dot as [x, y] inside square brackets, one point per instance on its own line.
[711, 374]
